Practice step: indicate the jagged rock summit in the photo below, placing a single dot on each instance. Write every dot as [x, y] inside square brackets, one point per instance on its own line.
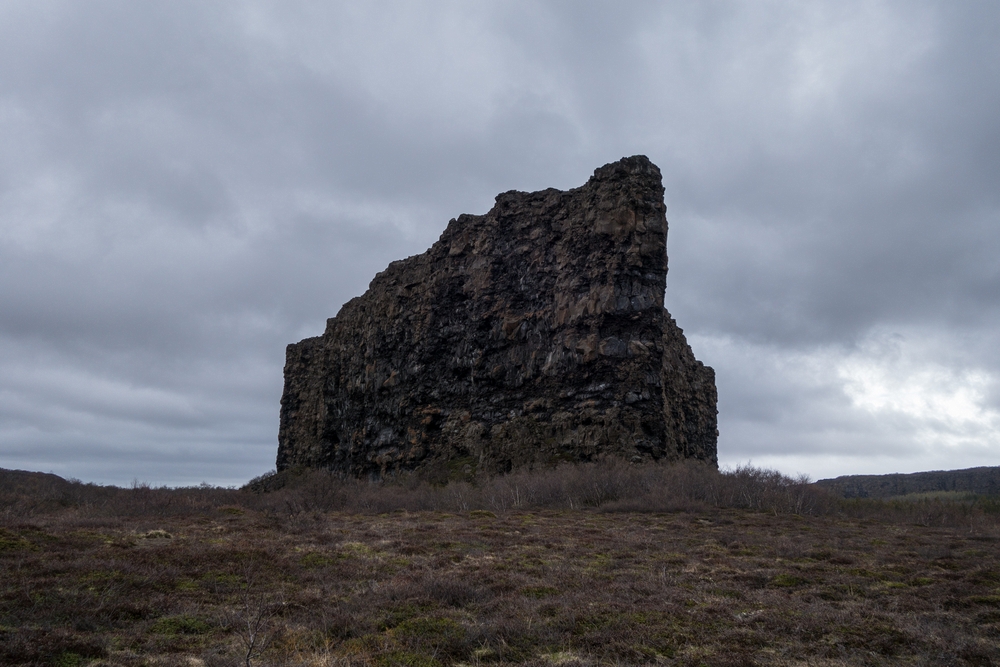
[533, 334]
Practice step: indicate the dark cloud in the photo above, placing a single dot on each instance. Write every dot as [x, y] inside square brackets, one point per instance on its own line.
[187, 187]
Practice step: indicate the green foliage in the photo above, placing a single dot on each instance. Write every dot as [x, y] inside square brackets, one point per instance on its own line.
[988, 600]
[402, 612]
[156, 534]
[430, 629]
[220, 581]
[462, 468]
[432, 635]
[186, 585]
[786, 580]
[182, 624]
[989, 504]
[68, 659]
[316, 559]
[539, 592]
[406, 659]
[10, 541]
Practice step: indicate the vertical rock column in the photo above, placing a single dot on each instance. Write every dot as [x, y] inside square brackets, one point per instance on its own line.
[533, 334]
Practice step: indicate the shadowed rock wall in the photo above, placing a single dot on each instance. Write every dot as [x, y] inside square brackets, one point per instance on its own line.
[535, 333]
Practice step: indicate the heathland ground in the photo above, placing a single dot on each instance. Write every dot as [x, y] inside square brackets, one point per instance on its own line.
[592, 564]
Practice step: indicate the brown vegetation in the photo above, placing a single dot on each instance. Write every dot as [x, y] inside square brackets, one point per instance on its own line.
[593, 564]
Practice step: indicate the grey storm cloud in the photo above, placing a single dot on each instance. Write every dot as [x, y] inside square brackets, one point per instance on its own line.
[187, 187]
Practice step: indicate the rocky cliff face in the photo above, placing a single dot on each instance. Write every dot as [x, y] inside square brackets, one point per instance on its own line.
[533, 334]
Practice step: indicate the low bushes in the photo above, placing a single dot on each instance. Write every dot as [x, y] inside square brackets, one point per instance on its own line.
[608, 485]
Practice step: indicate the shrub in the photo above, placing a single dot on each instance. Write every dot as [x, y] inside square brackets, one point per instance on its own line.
[300, 495]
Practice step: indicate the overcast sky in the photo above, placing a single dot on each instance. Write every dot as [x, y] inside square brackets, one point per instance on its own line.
[186, 187]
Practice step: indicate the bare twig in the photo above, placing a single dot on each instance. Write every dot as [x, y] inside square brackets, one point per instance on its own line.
[254, 614]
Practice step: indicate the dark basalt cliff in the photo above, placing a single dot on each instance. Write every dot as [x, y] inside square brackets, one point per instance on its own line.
[533, 334]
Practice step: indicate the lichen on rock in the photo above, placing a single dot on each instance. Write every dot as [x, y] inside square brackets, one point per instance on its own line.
[533, 334]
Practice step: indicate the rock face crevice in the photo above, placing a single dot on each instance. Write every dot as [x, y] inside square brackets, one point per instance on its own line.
[533, 334]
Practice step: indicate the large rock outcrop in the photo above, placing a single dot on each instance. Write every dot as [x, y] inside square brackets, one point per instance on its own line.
[533, 334]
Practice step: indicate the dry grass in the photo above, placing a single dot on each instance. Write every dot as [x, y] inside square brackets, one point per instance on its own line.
[602, 564]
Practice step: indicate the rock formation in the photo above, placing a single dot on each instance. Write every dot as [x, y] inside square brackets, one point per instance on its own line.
[530, 335]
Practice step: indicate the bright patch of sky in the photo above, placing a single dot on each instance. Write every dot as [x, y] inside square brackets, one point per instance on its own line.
[897, 378]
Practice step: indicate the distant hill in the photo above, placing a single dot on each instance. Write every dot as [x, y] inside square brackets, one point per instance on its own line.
[23, 481]
[985, 480]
